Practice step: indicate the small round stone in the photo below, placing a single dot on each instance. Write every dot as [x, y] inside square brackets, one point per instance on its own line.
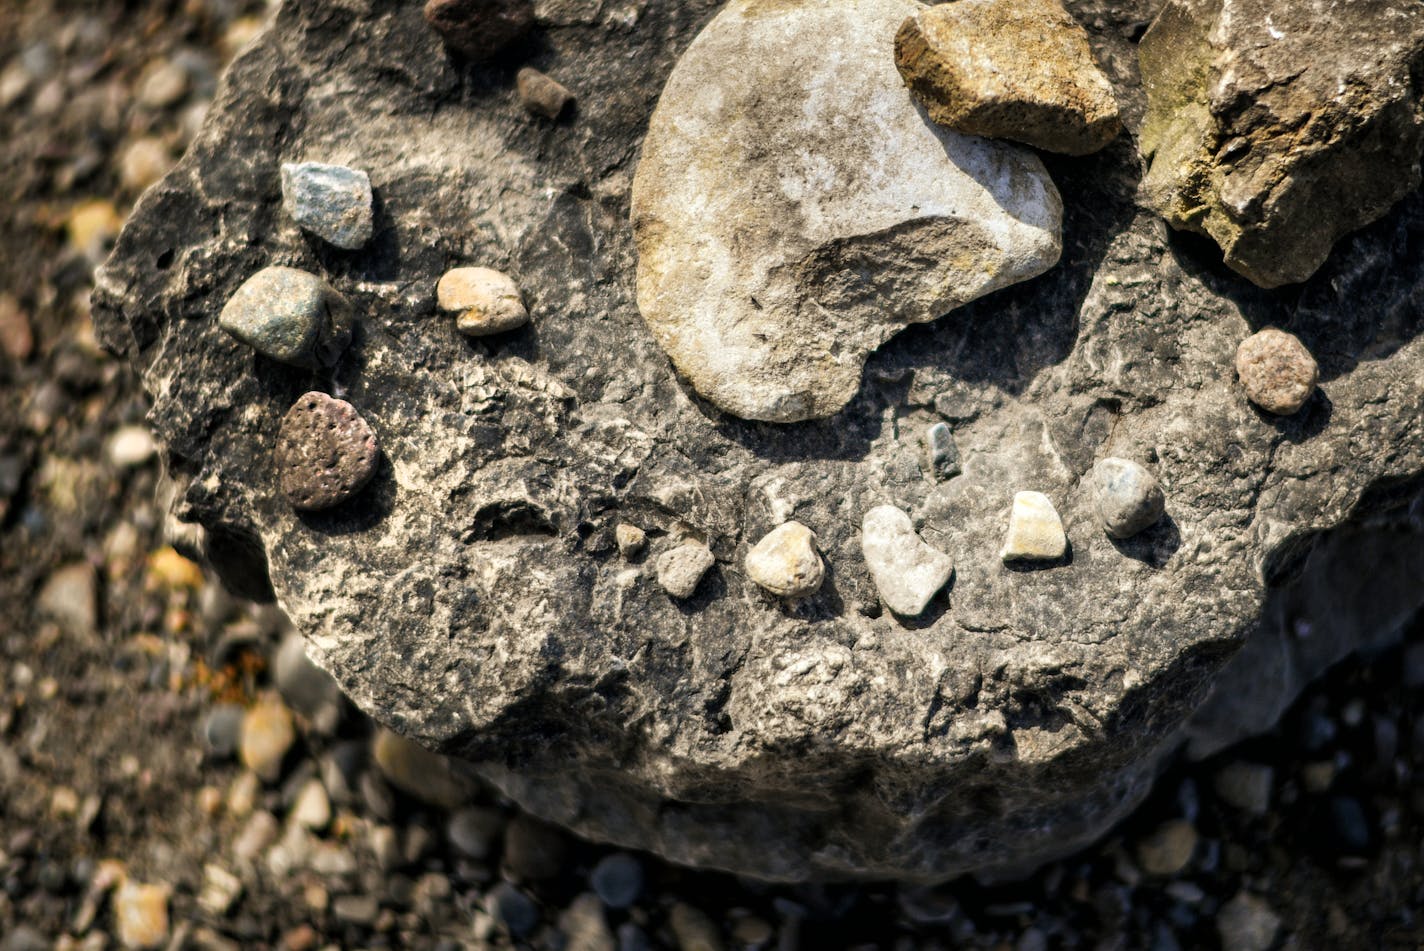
[1127, 497]
[325, 452]
[786, 562]
[1168, 849]
[617, 880]
[513, 909]
[680, 569]
[542, 94]
[485, 300]
[479, 29]
[1278, 373]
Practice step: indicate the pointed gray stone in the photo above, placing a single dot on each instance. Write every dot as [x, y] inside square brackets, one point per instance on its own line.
[332, 202]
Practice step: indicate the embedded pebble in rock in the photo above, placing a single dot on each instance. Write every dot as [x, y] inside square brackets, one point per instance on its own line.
[267, 735]
[332, 202]
[631, 540]
[1035, 530]
[680, 569]
[786, 563]
[942, 452]
[783, 238]
[617, 879]
[1022, 71]
[541, 94]
[485, 301]
[290, 316]
[693, 929]
[414, 770]
[326, 453]
[907, 572]
[479, 29]
[1127, 497]
[533, 850]
[513, 909]
[1247, 923]
[131, 447]
[141, 915]
[1246, 786]
[1277, 371]
[1167, 849]
[312, 810]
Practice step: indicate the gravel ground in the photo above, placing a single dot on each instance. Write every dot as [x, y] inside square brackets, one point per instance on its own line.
[173, 773]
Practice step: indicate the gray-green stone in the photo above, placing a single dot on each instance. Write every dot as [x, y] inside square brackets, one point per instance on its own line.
[943, 453]
[1127, 497]
[332, 202]
[291, 316]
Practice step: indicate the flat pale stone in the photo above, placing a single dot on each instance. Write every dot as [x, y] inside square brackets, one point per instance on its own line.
[332, 202]
[485, 301]
[794, 209]
[1022, 71]
[1035, 530]
[786, 562]
[680, 569]
[907, 572]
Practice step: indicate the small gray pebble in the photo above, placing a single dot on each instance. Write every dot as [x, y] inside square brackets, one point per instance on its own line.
[222, 729]
[290, 316]
[942, 451]
[513, 909]
[307, 688]
[1246, 786]
[680, 569]
[330, 201]
[633, 938]
[355, 909]
[326, 453]
[1127, 497]
[617, 880]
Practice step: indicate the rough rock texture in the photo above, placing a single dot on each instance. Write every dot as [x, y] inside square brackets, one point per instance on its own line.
[475, 598]
[794, 209]
[1276, 127]
[1022, 71]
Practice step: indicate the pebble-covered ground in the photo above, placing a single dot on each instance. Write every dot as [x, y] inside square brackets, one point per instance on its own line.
[174, 774]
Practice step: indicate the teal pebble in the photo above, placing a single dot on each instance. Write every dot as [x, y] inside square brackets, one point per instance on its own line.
[332, 202]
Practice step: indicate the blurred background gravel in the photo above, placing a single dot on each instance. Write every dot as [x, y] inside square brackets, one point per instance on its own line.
[175, 774]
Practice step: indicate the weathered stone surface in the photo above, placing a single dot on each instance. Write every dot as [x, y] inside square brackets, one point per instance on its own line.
[1022, 71]
[333, 202]
[290, 315]
[326, 453]
[1276, 127]
[907, 572]
[473, 596]
[786, 562]
[1277, 372]
[782, 238]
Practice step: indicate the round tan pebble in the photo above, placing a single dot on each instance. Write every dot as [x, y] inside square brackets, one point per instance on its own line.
[1279, 374]
[326, 452]
[487, 301]
[786, 562]
[144, 162]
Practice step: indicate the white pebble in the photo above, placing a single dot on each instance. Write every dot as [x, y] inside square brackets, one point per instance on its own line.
[907, 571]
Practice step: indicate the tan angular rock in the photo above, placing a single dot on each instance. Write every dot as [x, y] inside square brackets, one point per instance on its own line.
[141, 915]
[631, 540]
[680, 569]
[1275, 128]
[786, 563]
[1022, 71]
[1035, 530]
[794, 210]
[485, 301]
[1277, 371]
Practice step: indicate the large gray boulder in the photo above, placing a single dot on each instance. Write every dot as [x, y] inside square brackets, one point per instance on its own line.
[473, 596]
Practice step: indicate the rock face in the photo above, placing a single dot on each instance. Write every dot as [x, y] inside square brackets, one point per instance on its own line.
[473, 596]
[1022, 71]
[783, 237]
[1275, 128]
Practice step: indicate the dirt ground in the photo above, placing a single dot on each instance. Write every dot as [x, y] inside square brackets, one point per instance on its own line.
[128, 677]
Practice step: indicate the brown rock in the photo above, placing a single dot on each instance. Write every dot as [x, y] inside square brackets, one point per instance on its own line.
[1279, 374]
[1022, 71]
[479, 29]
[326, 452]
[541, 94]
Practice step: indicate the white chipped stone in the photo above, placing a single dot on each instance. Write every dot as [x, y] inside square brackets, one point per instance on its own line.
[1035, 530]
[907, 572]
[680, 569]
[794, 209]
[786, 563]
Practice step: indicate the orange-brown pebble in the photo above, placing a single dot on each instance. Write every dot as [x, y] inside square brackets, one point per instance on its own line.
[1277, 371]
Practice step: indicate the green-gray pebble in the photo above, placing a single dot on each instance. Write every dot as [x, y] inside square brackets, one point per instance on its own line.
[289, 315]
